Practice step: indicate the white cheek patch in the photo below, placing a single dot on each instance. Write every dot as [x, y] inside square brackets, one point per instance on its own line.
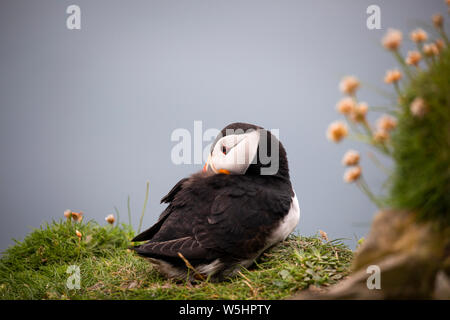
[240, 150]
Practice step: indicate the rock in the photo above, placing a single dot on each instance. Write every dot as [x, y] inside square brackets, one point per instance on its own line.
[413, 259]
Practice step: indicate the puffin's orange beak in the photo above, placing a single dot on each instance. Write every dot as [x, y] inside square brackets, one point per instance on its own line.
[224, 171]
[207, 164]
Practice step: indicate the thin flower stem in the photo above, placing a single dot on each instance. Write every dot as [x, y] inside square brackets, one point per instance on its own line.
[380, 108]
[367, 128]
[352, 126]
[359, 138]
[143, 209]
[427, 61]
[397, 88]
[433, 60]
[419, 46]
[371, 195]
[118, 215]
[129, 210]
[403, 64]
[79, 250]
[378, 163]
[382, 147]
[444, 35]
[365, 188]
[378, 90]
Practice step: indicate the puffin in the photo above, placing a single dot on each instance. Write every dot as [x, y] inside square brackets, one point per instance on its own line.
[225, 216]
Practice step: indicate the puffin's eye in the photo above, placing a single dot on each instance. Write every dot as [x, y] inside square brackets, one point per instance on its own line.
[224, 150]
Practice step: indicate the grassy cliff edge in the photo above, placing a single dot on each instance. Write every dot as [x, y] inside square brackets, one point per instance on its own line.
[38, 268]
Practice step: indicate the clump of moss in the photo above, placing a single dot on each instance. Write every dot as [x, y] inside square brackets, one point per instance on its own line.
[37, 268]
[421, 145]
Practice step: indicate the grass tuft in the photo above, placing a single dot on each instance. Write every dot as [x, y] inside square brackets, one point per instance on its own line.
[36, 268]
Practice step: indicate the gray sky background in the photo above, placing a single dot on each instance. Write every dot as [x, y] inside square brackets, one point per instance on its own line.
[86, 116]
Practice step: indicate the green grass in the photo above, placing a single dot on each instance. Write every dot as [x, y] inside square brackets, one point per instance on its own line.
[36, 268]
[421, 179]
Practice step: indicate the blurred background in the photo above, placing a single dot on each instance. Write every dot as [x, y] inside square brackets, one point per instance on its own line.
[86, 116]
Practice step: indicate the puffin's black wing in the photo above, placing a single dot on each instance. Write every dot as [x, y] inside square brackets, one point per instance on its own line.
[149, 233]
[173, 192]
[218, 216]
[241, 220]
[188, 246]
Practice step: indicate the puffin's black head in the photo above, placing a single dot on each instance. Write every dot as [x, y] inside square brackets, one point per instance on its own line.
[242, 148]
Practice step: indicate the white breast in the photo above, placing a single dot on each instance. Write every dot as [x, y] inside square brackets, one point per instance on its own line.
[287, 225]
